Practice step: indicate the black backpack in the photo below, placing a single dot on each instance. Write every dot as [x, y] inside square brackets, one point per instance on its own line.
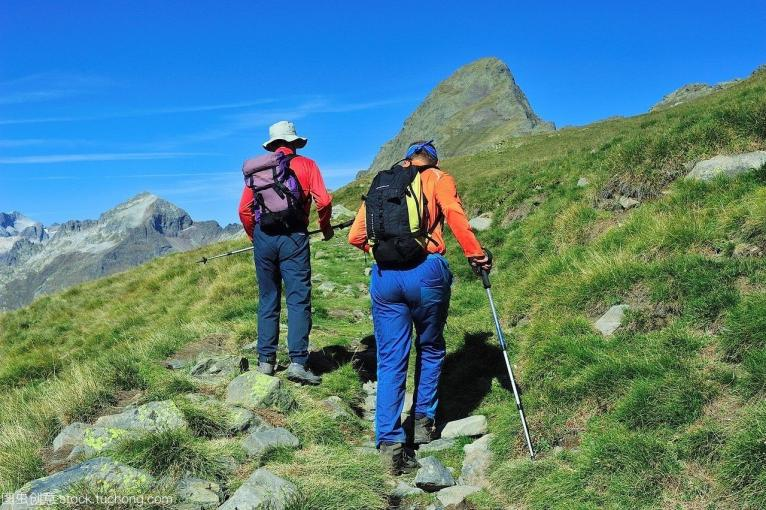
[397, 217]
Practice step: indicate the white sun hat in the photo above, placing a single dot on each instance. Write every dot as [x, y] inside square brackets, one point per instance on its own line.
[284, 130]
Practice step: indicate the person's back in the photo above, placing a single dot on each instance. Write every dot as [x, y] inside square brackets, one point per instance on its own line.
[281, 246]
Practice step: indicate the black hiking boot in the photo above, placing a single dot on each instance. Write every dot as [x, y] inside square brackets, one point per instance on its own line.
[397, 459]
[300, 374]
[423, 430]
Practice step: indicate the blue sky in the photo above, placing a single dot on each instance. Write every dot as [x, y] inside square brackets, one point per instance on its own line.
[100, 100]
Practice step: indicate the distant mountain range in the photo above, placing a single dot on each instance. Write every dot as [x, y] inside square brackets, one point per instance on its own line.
[36, 260]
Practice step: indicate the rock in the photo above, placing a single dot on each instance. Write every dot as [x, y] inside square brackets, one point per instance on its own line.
[608, 323]
[70, 436]
[262, 491]
[340, 211]
[252, 390]
[582, 182]
[471, 426]
[453, 498]
[240, 419]
[152, 417]
[100, 471]
[326, 288]
[335, 407]
[627, 202]
[367, 271]
[476, 462]
[220, 366]
[481, 223]
[432, 475]
[202, 493]
[727, 165]
[402, 490]
[174, 364]
[436, 445]
[746, 250]
[97, 440]
[252, 347]
[261, 441]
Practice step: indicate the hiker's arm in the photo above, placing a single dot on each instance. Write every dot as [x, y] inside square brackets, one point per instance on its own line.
[357, 236]
[452, 208]
[246, 214]
[321, 197]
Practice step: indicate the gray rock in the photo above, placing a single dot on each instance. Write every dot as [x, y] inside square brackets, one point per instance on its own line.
[481, 223]
[340, 211]
[174, 364]
[219, 366]
[203, 494]
[730, 166]
[151, 417]
[262, 491]
[453, 498]
[432, 475]
[97, 440]
[608, 323]
[402, 490]
[746, 250]
[436, 446]
[240, 419]
[476, 462]
[253, 389]
[70, 436]
[326, 288]
[99, 471]
[582, 182]
[471, 426]
[261, 441]
[627, 202]
[335, 407]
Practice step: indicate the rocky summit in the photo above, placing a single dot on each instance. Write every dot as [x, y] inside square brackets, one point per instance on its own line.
[35, 260]
[474, 109]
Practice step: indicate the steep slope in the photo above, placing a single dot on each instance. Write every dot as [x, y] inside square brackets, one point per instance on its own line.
[476, 107]
[668, 411]
[144, 227]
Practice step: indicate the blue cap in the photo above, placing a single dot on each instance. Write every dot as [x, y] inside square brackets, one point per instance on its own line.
[422, 147]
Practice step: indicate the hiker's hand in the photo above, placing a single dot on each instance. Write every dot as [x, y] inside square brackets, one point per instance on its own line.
[328, 233]
[481, 264]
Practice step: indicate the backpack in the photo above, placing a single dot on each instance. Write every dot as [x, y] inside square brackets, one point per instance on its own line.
[397, 217]
[278, 200]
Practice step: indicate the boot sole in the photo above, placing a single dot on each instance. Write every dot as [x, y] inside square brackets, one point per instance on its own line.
[300, 380]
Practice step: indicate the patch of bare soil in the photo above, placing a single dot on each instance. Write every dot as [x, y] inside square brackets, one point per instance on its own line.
[217, 343]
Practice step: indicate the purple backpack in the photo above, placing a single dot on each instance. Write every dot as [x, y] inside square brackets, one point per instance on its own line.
[278, 199]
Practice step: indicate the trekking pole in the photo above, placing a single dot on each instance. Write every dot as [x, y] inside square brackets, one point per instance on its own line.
[204, 260]
[501, 338]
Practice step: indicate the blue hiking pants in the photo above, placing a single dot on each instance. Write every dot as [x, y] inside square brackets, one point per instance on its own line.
[284, 257]
[401, 297]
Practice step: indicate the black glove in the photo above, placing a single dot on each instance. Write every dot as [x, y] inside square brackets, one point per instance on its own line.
[479, 264]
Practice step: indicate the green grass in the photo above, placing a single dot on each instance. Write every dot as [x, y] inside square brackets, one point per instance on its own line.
[667, 412]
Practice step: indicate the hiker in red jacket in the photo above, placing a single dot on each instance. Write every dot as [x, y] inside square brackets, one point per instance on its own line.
[283, 255]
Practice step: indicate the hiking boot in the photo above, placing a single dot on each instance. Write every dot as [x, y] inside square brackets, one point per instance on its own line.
[266, 368]
[424, 430]
[300, 374]
[397, 459]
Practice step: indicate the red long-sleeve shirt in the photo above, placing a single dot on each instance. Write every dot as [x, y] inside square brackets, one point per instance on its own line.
[312, 185]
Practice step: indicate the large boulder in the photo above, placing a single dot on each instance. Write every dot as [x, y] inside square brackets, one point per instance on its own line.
[471, 426]
[253, 390]
[432, 475]
[99, 472]
[262, 491]
[261, 441]
[730, 166]
[476, 462]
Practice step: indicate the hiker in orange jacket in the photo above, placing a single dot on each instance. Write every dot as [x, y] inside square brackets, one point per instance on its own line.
[416, 291]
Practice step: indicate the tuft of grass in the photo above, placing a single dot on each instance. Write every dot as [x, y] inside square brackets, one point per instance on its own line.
[744, 327]
[743, 467]
[208, 419]
[670, 401]
[314, 426]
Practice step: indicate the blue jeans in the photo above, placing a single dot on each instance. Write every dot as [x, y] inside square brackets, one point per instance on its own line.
[277, 258]
[401, 297]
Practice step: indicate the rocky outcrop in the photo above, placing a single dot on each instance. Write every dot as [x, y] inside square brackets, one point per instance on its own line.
[474, 109]
[36, 261]
[727, 165]
[690, 92]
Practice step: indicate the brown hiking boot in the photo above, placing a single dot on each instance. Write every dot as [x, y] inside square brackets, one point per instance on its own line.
[424, 430]
[397, 459]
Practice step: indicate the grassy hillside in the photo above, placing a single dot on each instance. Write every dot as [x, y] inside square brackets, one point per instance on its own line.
[667, 413]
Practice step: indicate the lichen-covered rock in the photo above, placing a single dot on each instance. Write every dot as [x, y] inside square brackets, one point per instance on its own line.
[102, 472]
[252, 390]
[471, 426]
[96, 440]
[151, 417]
[432, 475]
[476, 462]
[241, 419]
[219, 366]
[261, 441]
[263, 490]
[203, 494]
[70, 436]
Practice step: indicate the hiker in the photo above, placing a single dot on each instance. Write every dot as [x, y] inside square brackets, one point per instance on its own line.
[400, 222]
[274, 210]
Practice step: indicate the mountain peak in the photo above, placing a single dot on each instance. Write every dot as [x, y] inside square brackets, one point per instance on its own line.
[476, 107]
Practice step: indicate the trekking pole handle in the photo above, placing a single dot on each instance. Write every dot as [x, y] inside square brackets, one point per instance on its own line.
[484, 274]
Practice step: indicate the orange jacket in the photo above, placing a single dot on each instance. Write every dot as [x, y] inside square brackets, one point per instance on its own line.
[443, 201]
